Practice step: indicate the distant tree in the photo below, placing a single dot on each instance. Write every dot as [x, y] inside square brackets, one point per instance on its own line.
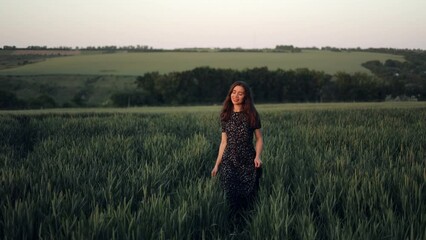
[257, 78]
[150, 83]
[80, 98]
[42, 101]
[9, 100]
[359, 87]
[329, 91]
[132, 98]
[37, 47]
[284, 47]
[9, 47]
[203, 84]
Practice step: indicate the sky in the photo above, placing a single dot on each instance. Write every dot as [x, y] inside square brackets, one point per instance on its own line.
[173, 24]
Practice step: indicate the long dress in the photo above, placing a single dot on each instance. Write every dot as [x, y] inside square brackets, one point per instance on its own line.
[238, 176]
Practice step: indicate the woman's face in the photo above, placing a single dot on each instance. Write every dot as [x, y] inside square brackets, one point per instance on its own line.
[237, 95]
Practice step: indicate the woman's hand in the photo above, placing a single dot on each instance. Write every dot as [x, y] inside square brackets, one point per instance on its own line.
[257, 162]
[214, 171]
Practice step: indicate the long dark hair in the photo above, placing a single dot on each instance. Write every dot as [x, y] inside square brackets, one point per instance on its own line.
[248, 104]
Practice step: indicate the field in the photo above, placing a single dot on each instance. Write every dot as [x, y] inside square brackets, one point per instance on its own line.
[63, 88]
[164, 62]
[331, 171]
[90, 79]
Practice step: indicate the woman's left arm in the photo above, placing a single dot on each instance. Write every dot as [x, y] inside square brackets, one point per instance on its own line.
[259, 147]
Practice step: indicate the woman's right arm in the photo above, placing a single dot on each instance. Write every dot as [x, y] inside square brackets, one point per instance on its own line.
[220, 154]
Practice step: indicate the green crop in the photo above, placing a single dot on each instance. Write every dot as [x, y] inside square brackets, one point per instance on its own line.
[137, 64]
[329, 173]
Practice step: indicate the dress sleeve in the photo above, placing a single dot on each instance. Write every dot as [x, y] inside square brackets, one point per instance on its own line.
[222, 125]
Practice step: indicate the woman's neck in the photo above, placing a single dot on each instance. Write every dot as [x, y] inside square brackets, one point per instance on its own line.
[238, 108]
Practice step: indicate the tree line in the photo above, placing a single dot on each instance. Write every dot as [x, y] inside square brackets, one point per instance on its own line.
[9, 100]
[406, 78]
[277, 48]
[390, 80]
[205, 85]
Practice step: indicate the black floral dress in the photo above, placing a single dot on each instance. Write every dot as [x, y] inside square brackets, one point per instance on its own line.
[238, 175]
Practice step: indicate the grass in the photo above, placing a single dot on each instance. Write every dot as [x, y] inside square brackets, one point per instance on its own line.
[139, 63]
[331, 171]
[216, 108]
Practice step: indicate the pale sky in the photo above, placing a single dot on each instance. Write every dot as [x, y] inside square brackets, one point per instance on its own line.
[217, 23]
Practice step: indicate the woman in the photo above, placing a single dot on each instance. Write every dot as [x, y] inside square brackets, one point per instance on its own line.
[238, 161]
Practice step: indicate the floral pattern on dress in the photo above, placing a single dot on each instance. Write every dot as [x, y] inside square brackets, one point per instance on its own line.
[238, 175]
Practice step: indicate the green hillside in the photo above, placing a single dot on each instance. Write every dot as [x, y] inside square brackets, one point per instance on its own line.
[66, 89]
[164, 62]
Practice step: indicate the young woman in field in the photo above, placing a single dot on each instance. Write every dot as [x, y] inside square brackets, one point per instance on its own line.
[238, 162]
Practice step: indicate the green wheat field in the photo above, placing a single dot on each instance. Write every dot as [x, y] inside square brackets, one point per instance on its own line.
[331, 171]
[136, 64]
